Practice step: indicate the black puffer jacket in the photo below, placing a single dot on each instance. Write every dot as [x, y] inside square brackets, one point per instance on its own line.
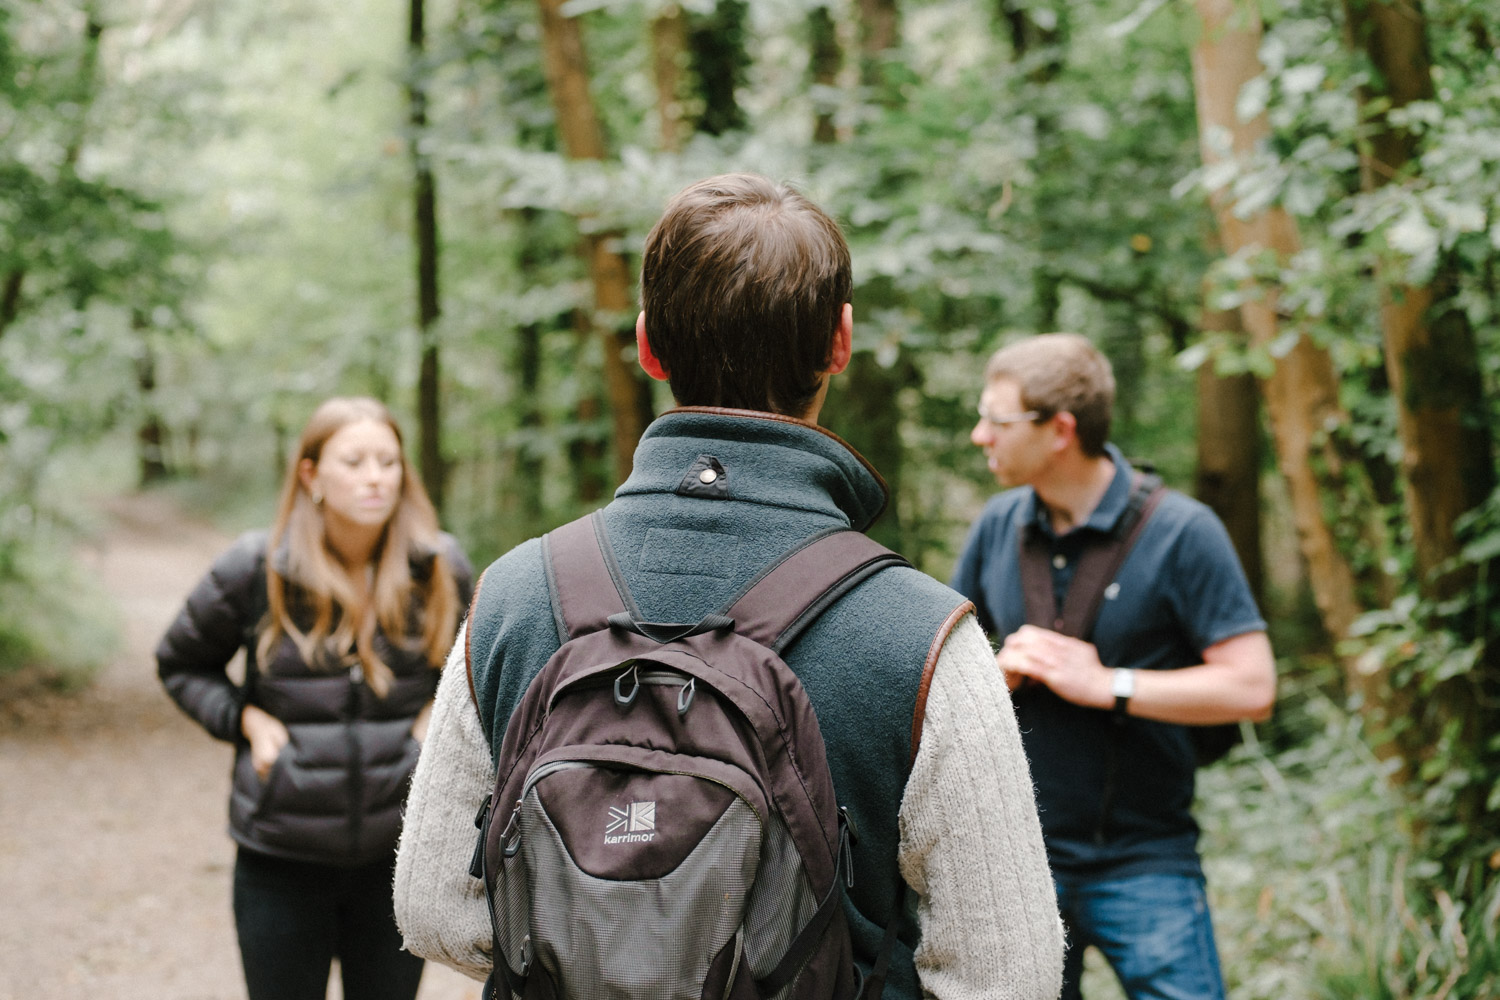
[335, 793]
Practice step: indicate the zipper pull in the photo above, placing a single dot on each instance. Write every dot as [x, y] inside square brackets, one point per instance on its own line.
[476, 863]
[846, 852]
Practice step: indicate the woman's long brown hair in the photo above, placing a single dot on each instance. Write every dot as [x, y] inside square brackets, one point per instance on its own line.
[340, 620]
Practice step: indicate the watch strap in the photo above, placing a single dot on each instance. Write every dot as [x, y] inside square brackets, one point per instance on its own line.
[1122, 684]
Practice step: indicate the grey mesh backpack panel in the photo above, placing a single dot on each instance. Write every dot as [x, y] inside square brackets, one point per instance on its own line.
[664, 822]
[641, 938]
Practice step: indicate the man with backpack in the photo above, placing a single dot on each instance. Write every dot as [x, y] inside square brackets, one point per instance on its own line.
[1129, 632]
[719, 743]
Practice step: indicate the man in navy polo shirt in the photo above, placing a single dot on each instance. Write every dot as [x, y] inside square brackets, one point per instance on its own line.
[1178, 642]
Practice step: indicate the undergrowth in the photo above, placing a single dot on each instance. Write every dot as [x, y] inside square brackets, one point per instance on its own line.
[56, 624]
[1315, 890]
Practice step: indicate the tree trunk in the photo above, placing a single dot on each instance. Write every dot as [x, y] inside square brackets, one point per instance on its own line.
[150, 436]
[1228, 476]
[1447, 466]
[669, 43]
[1030, 34]
[10, 298]
[424, 196]
[825, 59]
[583, 139]
[1122, 338]
[523, 462]
[717, 45]
[864, 411]
[87, 86]
[1430, 353]
[879, 31]
[863, 404]
[528, 466]
[1302, 392]
[586, 454]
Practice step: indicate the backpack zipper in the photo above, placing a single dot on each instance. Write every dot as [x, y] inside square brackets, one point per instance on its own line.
[552, 767]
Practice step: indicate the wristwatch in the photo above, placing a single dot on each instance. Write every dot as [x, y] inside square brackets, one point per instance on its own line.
[1122, 686]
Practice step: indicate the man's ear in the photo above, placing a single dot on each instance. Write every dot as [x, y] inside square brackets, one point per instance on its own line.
[1067, 429]
[843, 342]
[649, 364]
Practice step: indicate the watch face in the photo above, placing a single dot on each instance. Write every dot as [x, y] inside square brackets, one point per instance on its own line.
[1123, 683]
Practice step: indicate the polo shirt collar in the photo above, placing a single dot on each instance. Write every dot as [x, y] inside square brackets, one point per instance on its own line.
[1111, 506]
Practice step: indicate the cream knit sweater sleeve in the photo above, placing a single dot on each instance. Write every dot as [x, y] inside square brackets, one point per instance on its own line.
[440, 909]
[971, 843]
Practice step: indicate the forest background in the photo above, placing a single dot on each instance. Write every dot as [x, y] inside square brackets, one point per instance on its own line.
[1281, 221]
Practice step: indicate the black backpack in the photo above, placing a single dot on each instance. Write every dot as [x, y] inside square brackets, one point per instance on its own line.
[1094, 572]
[664, 823]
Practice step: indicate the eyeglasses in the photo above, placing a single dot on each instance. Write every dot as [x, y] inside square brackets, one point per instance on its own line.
[1030, 416]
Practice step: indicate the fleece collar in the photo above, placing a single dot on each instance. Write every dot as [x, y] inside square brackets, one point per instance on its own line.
[755, 457]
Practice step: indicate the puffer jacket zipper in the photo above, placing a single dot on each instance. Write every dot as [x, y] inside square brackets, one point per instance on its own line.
[356, 771]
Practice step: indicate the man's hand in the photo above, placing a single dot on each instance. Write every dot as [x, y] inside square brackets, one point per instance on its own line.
[1070, 667]
[267, 735]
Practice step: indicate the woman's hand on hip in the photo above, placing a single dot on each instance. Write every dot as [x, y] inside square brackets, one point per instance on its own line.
[267, 735]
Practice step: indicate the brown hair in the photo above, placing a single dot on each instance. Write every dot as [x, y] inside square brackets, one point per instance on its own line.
[340, 619]
[743, 283]
[1061, 373]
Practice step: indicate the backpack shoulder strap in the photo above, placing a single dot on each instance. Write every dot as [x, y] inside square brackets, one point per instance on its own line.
[778, 605]
[583, 578]
[1036, 578]
[1096, 568]
[587, 588]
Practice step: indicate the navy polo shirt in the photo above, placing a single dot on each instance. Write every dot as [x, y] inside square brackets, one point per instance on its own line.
[1114, 793]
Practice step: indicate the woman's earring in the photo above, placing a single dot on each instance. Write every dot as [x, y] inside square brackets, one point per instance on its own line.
[317, 497]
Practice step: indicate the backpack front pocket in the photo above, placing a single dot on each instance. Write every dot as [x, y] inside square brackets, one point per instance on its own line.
[646, 866]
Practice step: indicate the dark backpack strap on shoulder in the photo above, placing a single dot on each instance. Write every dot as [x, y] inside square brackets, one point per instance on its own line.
[583, 579]
[783, 601]
[1036, 579]
[1095, 570]
[1100, 563]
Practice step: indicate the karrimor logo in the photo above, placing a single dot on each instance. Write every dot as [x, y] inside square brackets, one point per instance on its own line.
[634, 824]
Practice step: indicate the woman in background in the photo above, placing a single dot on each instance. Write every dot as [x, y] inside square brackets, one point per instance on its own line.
[346, 610]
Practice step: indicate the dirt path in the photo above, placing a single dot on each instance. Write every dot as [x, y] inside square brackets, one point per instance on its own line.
[114, 863]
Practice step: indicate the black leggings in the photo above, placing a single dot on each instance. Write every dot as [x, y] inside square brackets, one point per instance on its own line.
[294, 918]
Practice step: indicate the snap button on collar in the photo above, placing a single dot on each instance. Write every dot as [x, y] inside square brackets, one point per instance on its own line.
[706, 479]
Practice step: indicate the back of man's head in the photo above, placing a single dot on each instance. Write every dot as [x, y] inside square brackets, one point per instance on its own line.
[1057, 373]
[743, 285]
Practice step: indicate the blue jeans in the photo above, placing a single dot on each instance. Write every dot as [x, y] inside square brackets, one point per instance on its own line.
[1154, 930]
[293, 918]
